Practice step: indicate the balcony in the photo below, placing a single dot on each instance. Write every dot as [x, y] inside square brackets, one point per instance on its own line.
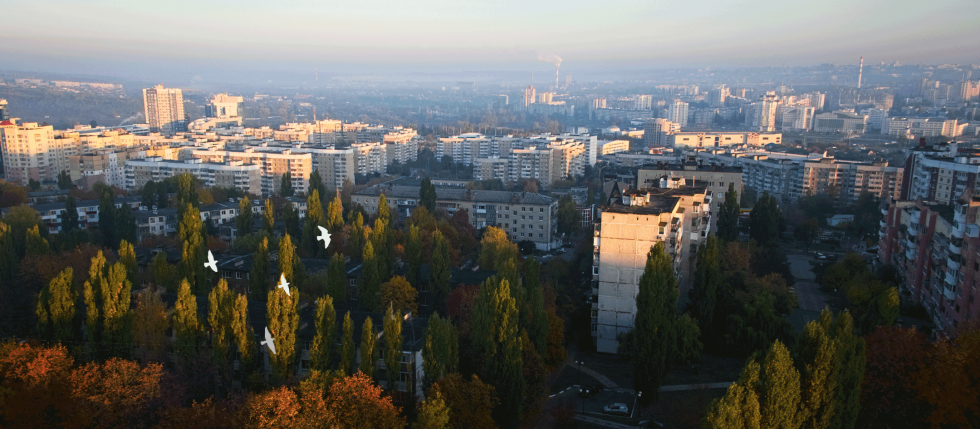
[955, 250]
[953, 264]
[949, 293]
[951, 277]
[882, 223]
[913, 231]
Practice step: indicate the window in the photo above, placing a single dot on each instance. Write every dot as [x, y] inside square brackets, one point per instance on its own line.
[238, 275]
[353, 282]
[540, 217]
[523, 209]
[514, 229]
[304, 364]
[226, 274]
[524, 217]
[540, 226]
[540, 235]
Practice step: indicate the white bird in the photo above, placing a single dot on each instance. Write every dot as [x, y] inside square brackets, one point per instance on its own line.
[283, 284]
[211, 262]
[324, 237]
[269, 341]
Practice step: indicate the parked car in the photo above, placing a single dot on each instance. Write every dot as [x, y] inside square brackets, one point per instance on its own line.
[559, 251]
[617, 409]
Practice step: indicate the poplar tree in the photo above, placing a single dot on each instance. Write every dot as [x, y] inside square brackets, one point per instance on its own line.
[187, 192]
[369, 352]
[35, 245]
[117, 318]
[125, 224]
[347, 350]
[413, 253]
[495, 339]
[258, 277]
[127, 256]
[433, 413]
[356, 243]
[287, 259]
[653, 332]
[818, 376]
[851, 353]
[335, 214]
[370, 279]
[314, 219]
[440, 351]
[708, 278]
[427, 195]
[779, 390]
[69, 221]
[290, 220]
[325, 322]
[316, 183]
[440, 268]
[8, 256]
[244, 220]
[739, 408]
[539, 324]
[164, 274]
[242, 331]
[220, 306]
[186, 326]
[56, 308]
[268, 217]
[283, 322]
[728, 216]
[92, 291]
[337, 278]
[194, 252]
[286, 185]
[107, 218]
[379, 241]
[393, 348]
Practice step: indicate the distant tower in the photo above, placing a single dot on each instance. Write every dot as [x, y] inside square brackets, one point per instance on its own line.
[557, 67]
[860, 71]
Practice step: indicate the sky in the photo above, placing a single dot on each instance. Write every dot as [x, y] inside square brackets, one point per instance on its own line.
[153, 39]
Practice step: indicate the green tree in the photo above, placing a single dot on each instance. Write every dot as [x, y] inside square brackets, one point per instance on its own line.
[654, 332]
[244, 220]
[92, 291]
[186, 327]
[440, 351]
[356, 243]
[348, 351]
[440, 268]
[496, 248]
[221, 302]
[337, 278]
[289, 262]
[708, 277]
[148, 194]
[779, 390]
[689, 346]
[290, 220]
[127, 256]
[56, 308]
[569, 217]
[818, 376]
[268, 217]
[325, 320]
[335, 214]
[433, 413]
[64, 180]
[286, 185]
[393, 348]
[806, 232]
[164, 274]
[242, 331]
[370, 284]
[427, 195]
[874, 303]
[316, 184]
[115, 316]
[369, 352]
[494, 337]
[107, 219]
[314, 219]
[283, 321]
[728, 216]
[70, 221]
[851, 353]
[187, 192]
[8, 256]
[539, 324]
[765, 220]
[258, 277]
[193, 253]
[413, 253]
[380, 235]
[125, 224]
[35, 244]
[739, 408]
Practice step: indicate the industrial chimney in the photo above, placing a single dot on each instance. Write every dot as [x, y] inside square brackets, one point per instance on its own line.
[860, 71]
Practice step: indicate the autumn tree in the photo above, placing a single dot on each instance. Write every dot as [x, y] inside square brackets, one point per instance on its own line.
[283, 322]
[325, 320]
[355, 245]
[393, 348]
[115, 393]
[347, 348]
[653, 335]
[708, 277]
[164, 274]
[413, 253]
[244, 220]
[728, 215]
[242, 331]
[56, 308]
[127, 256]
[290, 264]
[35, 244]
[539, 324]
[496, 248]
[471, 403]
[337, 278]
[440, 350]
[739, 408]
[398, 293]
[150, 326]
[382, 237]
[495, 339]
[108, 320]
[356, 402]
[370, 278]
[433, 413]
[335, 214]
[186, 326]
[193, 253]
[440, 267]
[369, 350]
[314, 219]
[258, 278]
[268, 217]
[220, 305]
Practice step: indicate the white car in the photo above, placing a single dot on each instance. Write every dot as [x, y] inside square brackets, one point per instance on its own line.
[617, 408]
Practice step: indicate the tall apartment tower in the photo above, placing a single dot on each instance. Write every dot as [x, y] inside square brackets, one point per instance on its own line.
[223, 106]
[164, 109]
[677, 113]
[767, 112]
[529, 96]
[4, 113]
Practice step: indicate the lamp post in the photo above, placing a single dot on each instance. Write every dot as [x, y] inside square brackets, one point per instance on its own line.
[635, 400]
[582, 391]
[586, 393]
[580, 363]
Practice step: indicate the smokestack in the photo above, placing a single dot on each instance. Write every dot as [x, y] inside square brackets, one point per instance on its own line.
[860, 71]
[557, 67]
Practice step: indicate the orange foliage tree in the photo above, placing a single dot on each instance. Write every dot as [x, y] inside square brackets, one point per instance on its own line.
[470, 402]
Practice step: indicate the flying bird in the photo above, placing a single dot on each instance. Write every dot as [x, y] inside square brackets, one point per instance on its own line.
[269, 341]
[283, 284]
[211, 262]
[324, 236]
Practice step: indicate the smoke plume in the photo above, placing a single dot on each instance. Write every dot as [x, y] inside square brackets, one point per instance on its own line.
[550, 58]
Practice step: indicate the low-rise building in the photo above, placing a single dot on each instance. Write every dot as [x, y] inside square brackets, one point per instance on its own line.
[230, 174]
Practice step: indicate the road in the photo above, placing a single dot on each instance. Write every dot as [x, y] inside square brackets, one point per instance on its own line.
[811, 299]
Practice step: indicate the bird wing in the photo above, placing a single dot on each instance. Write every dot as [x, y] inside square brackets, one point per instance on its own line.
[210, 258]
[323, 231]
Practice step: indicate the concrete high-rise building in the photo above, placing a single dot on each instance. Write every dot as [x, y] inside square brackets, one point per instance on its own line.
[223, 106]
[677, 113]
[643, 102]
[655, 131]
[767, 111]
[529, 96]
[164, 110]
[798, 118]
[4, 113]
[30, 151]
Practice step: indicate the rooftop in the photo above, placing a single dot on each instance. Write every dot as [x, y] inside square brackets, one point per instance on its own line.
[457, 194]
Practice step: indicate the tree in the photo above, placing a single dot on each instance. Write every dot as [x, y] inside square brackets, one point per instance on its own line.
[393, 348]
[127, 256]
[496, 249]
[874, 303]
[186, 326]
[283, 320]
[708, 278]
[433, 413]
[314, 219]
[8, 256]
[316, 184]
[370, 279]
[220, 304]
[64, 180]
[116, 393]
[150, 325]
[258, 277]
[569, 217]
[70, 221]
[806, 232]
[413, 253]
[890, 396]
[187, 186]
[495, 339]
[268, 217]
[242, 331]
[369, 351]
[440, 267]
[470, 402]
[689, 346]
[654, 332]
[34, 243]
[113, 309]
[779, 387]
[244, 220]
[765, 220]
[440, 350]
[739, 408]
[290, 219]
[851, 355]
[125, 224]
[286, 185]
[107, 219]
[92, 290]
[398, 293]
[383, 242]
[323, 340]
[290, 264]
[56, 308]
[347, 350]
[337, 278]
[539, 324]
[427, 195]
[191, 236]
[728, 216]
[358, 403]
[33, 185]
[335, 214]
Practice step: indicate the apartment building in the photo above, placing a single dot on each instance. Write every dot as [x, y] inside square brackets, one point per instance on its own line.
[715, 178]
[941, 173]
[370, 158]
[847, 180]
[273, 164]
[91, 140]
[655, 131]
[230, 174]
[108, 164]
[523, 215]
[494, 168]
[719, 139]
[632, 223]
[677, 113]
[840, 122]
[609, 147]
[52, 214]
[401, 144]
[921, 127]
[797, 118]
[164, 109]
[778, 174]
[30, 151]
[223, 106]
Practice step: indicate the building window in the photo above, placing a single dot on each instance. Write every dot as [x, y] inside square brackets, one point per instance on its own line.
[238, 275]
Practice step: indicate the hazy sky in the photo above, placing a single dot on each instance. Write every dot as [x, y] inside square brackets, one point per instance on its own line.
[143, 38]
